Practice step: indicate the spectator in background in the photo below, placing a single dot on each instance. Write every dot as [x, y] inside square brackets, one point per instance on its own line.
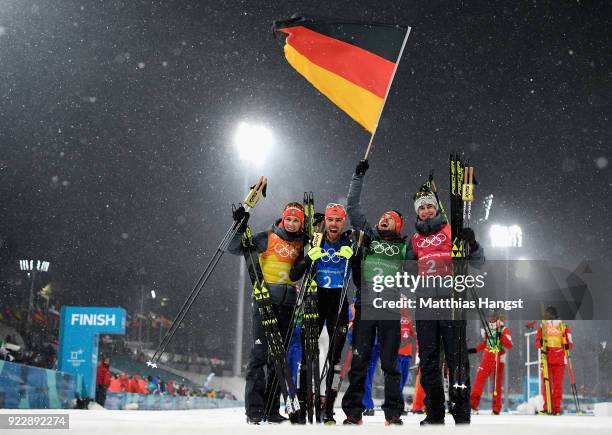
[103, 380]
[170, 387]
[115, 384]
[124, 381]
[137, 385]
[153, 385]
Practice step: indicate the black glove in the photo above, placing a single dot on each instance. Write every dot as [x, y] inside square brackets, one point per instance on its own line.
[362, 167]
[472, 350]
[467, 234]
[241, 215]
[318, 218]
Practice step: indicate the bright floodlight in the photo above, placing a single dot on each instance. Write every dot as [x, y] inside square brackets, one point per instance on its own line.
[503, 236]
[253, 142]
[153, 295]
[37, 265]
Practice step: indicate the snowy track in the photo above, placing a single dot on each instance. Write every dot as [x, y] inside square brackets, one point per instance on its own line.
[232, 421]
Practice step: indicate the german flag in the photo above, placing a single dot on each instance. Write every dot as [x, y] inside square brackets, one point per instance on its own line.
[351, 63]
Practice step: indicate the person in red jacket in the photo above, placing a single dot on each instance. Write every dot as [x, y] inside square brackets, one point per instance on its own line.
[115, 384]
[137, 385]
[404, 357]
[553, 338]
[124, 381]
[493, 361]
[103, 379]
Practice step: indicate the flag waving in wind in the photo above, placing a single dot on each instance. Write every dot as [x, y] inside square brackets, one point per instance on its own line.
[351, 63]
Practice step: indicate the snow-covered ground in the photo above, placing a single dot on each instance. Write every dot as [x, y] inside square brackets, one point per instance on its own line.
[232, 421]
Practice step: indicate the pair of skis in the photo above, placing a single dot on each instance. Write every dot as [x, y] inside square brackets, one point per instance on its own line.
[461, 196]
[306, 306]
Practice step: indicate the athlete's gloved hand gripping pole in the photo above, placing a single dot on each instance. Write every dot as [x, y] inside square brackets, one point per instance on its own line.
[241, 217]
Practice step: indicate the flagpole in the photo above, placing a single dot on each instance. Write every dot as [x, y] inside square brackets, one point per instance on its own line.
[399, 57]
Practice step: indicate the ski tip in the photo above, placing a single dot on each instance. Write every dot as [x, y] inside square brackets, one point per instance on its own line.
[152, 364]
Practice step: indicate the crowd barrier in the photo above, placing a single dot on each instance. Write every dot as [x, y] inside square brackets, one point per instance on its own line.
[29, 387]
[155, 402]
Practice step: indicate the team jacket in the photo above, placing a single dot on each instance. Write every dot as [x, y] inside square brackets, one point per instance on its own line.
[431, 247]
[556, 337]
[500, 341]
[279, 252]
[407, 333]
[383, 251]
[330, 270]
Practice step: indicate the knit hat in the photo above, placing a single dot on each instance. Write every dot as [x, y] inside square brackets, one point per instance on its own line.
[292, 209]
[333, 209]
[397, 218]
[424, 197]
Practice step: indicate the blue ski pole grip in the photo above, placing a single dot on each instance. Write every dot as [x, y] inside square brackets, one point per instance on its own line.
[256, 192]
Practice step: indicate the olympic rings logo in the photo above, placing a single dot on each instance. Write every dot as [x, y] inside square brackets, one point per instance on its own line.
[330, 255]
[387, 249]
[286, 251]
[433, 240]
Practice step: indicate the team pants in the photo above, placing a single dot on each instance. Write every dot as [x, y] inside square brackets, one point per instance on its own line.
[259, 383]
[485, 371]
[368, 402]
[556, 373]
[403, 367]
[418, 402]
[433, 335]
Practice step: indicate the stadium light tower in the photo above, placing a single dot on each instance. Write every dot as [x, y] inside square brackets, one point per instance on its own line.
[31, 267]
[253, 143]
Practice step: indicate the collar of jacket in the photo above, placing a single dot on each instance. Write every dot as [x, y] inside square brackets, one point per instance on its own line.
[283, 234]
[430, 226]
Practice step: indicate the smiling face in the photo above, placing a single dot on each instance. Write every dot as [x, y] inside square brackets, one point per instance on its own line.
[427, 211]
[292, 224]
[387, 223]
[333, 227]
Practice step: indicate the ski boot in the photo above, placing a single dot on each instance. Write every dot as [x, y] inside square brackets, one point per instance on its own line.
[253, 420]
[369, 412]
[394, 421]
[328, 408]
[432, 421]
[276, 419]
[354, 421]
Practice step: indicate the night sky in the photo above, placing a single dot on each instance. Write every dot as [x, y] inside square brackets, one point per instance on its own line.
[117, 121]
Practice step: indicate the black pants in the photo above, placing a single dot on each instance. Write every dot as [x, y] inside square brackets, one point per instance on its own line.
[433, 335]
[328, 301]
[259, 383]
[364, 333]
[101, 394]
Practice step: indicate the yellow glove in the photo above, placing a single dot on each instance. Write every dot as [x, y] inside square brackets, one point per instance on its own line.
[345, 251]
[316, 253]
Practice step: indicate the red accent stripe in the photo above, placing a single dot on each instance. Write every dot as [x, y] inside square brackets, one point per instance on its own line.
[361, 67]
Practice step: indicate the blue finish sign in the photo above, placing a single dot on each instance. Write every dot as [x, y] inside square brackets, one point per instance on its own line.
[80, 329]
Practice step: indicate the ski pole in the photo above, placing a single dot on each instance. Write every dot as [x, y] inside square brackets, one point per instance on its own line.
[250, 201]
[570, 370]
